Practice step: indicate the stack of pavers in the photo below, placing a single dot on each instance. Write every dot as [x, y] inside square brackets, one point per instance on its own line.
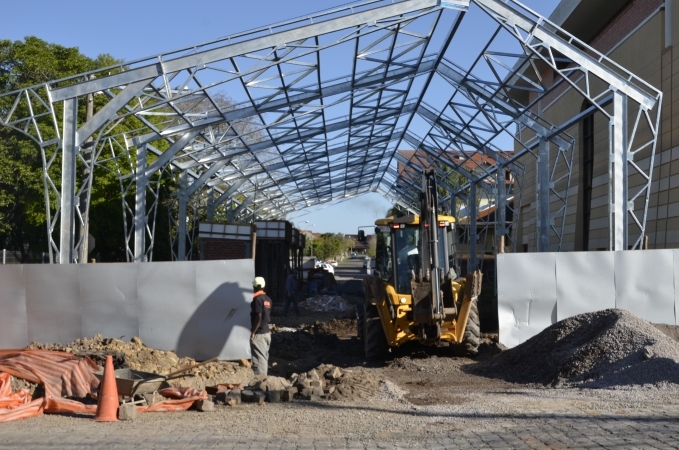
[311, 386]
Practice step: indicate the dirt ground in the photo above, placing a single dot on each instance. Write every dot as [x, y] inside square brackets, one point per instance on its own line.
[430, 376]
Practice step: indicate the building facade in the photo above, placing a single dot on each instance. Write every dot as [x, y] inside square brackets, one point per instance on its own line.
[641, 36]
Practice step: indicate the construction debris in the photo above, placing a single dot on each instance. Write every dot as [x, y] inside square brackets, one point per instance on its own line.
[327, 303]
[137, 356]
[606, 349]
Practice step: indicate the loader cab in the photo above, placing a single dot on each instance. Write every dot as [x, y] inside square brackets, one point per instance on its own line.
[399, 246]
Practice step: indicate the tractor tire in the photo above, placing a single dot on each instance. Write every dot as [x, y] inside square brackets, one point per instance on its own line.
[472, 333]
[374, 341]
[360, 320]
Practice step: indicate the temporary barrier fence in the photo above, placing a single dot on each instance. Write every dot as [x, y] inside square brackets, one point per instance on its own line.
[535, 290]
[199, 309]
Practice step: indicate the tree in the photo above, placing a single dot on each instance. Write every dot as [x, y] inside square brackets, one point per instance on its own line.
[22, 197]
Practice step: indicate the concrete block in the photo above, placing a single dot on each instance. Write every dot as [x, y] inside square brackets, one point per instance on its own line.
[220, 397]
[247, 396]
[260, 397]
[233, 400]
[315, 383]
[152, 399]
[274, 396]
[313, 375]
[127, 411]
[289, 394]
[205, 405]
[306, 392]
[333, 374]
[317, 390]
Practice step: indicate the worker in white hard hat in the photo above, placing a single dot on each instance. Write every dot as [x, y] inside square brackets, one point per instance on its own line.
[260, 338]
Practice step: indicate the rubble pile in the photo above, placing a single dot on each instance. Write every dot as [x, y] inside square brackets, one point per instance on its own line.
[137, 356]
[327, 303]
[605, 349]
[325, 382]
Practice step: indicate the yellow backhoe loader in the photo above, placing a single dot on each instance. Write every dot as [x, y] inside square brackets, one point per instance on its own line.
[414, 293]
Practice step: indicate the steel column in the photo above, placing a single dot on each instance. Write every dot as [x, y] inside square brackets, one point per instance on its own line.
[472, 207]
[618, 207]
[211, 205]
[542, 191]
[182, 216]
[501, 211]
[141, 182]
[68, 199]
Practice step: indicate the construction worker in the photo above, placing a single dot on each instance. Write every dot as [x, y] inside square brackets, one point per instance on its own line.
[291, 294]
[260, 338]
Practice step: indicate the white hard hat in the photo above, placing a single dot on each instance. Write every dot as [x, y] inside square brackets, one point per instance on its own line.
[259, 281]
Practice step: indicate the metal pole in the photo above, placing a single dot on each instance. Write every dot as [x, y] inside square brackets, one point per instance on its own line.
[181, 225]
[543, 215]
[668, 22]
[69, 151]
[84, 195]
[472, 207]
[4, 256]
[618, 170]
[211, 205]
[501, 212]
[140, 206]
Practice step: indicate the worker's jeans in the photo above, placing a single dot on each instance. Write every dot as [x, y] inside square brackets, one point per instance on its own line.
[291, 299]
[260, 353]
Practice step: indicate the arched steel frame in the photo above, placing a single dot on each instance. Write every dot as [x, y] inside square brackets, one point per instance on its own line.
[285, 147]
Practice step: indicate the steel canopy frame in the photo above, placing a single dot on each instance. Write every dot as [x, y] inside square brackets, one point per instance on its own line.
[298, 137]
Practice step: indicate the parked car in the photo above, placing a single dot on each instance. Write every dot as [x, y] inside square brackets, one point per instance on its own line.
[353, 255]
[333, 263]
[328, 267]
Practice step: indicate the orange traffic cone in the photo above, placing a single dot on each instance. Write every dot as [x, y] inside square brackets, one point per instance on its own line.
[107, 403]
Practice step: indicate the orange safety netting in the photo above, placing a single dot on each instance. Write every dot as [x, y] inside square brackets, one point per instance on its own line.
[65, 375]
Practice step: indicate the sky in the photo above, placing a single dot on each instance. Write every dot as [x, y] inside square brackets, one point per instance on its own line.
[129, 30]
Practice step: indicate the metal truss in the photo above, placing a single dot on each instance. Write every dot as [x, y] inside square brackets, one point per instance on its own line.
[258, 124]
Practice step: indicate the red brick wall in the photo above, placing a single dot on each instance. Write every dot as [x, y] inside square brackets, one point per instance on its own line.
[224, 249]
[629, 18]
[621, 26]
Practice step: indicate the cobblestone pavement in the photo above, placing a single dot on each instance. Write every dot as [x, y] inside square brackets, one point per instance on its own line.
[646, 428]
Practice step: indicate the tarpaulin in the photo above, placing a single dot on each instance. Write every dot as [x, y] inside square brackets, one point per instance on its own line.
[65, 375]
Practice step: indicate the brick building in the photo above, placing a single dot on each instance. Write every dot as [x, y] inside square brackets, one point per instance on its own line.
[641, 36]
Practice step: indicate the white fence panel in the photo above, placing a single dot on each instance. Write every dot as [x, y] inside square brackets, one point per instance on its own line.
[525, 309]
[199, 309]
[644, 284]
[585, 282]
[13, 319]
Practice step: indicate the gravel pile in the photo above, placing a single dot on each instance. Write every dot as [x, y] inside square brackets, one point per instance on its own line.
[137, 356]
[327, 303]
[606, 349]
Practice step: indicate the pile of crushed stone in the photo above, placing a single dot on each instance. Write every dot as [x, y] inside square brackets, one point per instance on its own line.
[605, 349]
[327, 303]
[137, 356]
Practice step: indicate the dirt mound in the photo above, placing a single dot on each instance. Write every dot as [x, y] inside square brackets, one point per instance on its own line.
[606, 349]
[137, 356]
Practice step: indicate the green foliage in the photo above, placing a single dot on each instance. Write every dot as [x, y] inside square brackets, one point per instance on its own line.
[26, 63]
[328, 246]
